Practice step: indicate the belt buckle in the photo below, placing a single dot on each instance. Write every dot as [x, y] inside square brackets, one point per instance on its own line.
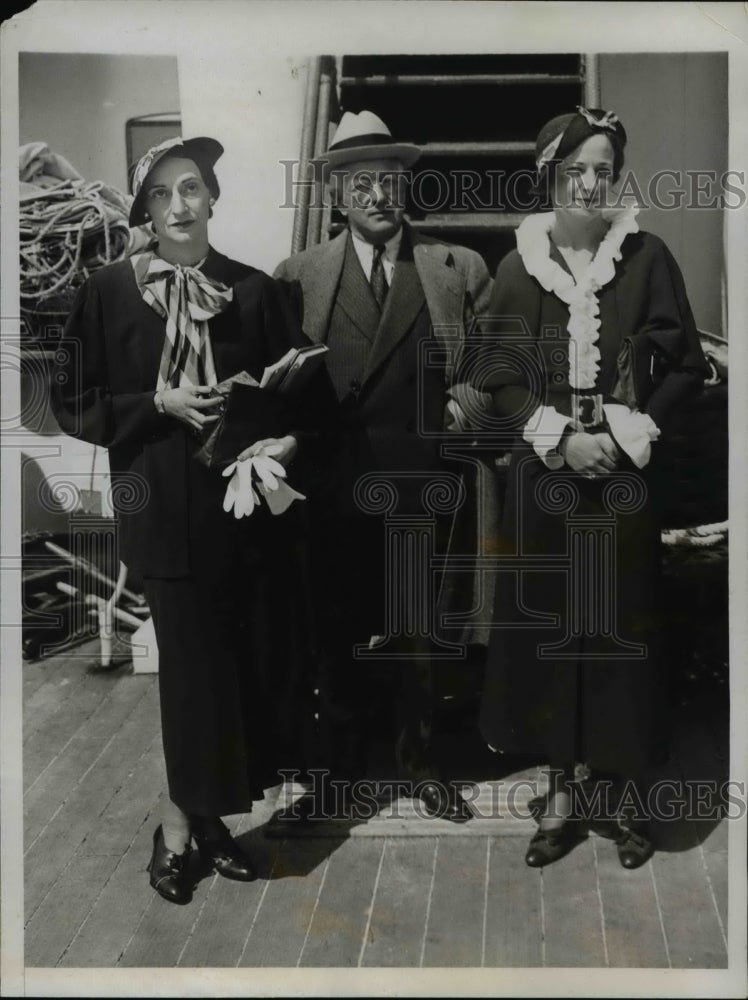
[587, 410]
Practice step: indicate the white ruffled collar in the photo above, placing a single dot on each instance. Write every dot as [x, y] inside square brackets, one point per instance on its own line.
[534, 246]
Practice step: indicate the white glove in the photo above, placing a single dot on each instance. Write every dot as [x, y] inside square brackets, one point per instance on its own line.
[241, 495]
[267, 468]
[278, 494]
[243, 491]
[281, 499]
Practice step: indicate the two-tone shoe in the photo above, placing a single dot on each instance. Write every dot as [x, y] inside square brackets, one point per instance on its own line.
[169, 871]
[221, 853]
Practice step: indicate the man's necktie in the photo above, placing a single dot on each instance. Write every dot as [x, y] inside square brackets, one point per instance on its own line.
[378, 280]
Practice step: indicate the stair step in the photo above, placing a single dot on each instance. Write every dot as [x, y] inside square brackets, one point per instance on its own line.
[457, 221]
[469, 221]
[458, 79]
[478, 148]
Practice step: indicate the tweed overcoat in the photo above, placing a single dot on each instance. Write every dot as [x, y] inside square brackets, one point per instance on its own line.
[392, 417]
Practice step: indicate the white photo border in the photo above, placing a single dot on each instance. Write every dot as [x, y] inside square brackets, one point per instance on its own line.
[227, 29]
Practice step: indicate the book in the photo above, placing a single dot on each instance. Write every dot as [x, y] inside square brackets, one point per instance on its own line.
[291, 372]
[273, 374]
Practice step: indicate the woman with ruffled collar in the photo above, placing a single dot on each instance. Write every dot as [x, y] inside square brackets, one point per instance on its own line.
[146, 342]
[593, 348]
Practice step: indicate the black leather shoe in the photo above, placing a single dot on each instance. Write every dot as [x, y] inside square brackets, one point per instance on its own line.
[222, 854]
[548, 846]
[634, 847]
[168, 871]
[444, 802]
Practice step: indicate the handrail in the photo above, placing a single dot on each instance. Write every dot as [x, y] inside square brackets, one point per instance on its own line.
[591, 80]
[308, 132]
[509, 147]
[321, 142]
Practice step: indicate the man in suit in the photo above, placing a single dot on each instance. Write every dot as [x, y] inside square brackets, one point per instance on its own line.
[374, 294]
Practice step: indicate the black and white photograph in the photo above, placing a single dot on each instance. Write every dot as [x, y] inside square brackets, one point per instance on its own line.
[374, 536]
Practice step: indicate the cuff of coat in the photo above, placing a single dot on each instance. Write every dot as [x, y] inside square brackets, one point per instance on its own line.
[544, 431]
[468, 409]
[633, 431]
[305, 440]
[144, 415]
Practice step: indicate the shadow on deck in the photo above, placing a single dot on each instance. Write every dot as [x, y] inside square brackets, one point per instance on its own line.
[415, 893]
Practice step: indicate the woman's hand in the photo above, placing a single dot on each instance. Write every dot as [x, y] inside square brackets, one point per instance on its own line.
[189, 405]
[282, 449]
[591, 454]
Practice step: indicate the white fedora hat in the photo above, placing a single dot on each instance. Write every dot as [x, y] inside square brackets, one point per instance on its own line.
[364, 136]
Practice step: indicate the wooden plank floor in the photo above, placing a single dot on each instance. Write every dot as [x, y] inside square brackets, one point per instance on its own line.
[94, 777]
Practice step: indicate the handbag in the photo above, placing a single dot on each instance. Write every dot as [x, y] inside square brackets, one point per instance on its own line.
[642, 363]
[248, 414]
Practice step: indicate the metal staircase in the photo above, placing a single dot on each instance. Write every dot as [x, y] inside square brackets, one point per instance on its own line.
[476, 118]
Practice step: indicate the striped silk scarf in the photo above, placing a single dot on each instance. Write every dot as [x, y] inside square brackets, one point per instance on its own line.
[186, 299]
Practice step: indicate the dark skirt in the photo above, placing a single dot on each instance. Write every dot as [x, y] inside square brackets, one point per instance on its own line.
[573, 667]
[230, 636]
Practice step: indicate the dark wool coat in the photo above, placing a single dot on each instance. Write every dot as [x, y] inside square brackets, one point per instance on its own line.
[228, 598]
[573, 671]
[103, 393]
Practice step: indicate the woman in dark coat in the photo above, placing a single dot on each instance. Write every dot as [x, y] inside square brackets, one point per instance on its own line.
[585, 312]
[146, 339]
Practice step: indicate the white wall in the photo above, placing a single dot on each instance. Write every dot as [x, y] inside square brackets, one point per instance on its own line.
[79, 103]
[255, 107]
[674, 108]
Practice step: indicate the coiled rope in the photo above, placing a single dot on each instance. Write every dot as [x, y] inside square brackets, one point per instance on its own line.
[702, 536]
[66, 232]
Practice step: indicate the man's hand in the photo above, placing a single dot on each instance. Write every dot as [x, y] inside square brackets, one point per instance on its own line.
[591, 454]
[189, 405]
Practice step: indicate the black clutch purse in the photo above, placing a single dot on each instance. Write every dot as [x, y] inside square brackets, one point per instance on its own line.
[248, 414]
